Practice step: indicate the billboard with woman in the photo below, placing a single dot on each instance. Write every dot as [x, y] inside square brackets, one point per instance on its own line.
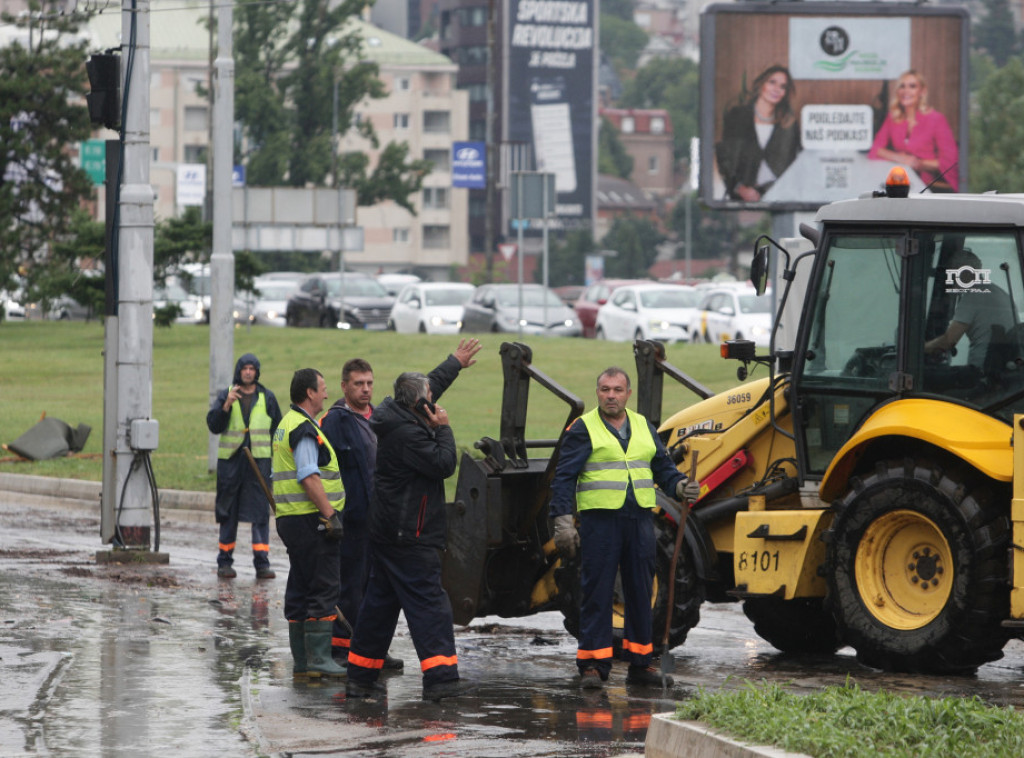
[803, 104]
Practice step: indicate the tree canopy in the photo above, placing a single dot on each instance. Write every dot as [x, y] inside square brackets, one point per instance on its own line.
[291, 61]
[42, 114]
[997, 131]
[612, 158]
[675, 86]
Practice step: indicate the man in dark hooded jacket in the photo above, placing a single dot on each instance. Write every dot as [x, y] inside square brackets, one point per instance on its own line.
[415, 454]
[245, 415]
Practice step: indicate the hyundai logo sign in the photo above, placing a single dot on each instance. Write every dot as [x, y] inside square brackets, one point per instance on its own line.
[469, 167]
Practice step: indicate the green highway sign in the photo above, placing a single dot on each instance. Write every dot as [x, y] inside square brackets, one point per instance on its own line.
[94, 160]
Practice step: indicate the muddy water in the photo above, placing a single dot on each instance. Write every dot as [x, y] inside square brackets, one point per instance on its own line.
[99, 660]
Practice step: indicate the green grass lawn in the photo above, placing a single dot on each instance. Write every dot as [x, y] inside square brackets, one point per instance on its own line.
[848, 722]
[56, 369]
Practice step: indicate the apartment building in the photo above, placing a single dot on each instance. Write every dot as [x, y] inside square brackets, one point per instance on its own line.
[423, 108]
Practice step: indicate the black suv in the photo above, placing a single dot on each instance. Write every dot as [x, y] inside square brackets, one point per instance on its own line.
[336, 301]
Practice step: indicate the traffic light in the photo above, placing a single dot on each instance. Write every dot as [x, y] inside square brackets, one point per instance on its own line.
[105, 84]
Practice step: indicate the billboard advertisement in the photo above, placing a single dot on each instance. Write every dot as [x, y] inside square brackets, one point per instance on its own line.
[804, 104]
[550, 97]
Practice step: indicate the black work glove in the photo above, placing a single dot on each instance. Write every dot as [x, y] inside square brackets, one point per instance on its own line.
[331, 527]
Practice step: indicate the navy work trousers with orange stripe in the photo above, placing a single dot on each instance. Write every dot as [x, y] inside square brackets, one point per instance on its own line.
[260, 544]
[615, 541]
[404, 578]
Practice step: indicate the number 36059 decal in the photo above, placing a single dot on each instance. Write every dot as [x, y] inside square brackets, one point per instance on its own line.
[739, 397]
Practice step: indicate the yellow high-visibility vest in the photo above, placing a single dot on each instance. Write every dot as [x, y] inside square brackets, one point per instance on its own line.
[289, 497]
[610, 470]
[259, 430]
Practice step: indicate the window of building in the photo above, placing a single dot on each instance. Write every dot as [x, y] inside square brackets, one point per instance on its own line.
[435, 198]
[440, 158]
[400, 235]
[196, 118]
[628, 125]
[478, 130]
[473, 55]
[195, 153]
[477, 206]
[472, 16]
[436, 122]
[657, 125]
[401, 120]
[477, 93]
[436, 237]
[402, 84]
[652, 164]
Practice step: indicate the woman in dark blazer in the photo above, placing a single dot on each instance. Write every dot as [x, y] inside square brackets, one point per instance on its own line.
[760, 137]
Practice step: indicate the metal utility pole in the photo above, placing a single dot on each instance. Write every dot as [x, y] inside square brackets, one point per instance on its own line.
[490, 151]
[129, 433]
[222, 259]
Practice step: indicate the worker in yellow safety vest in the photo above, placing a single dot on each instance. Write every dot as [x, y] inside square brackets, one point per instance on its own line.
[245, 416]
[309, 495]
[608, 463]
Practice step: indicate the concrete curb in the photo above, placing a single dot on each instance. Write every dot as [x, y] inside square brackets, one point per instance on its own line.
[668, 737]
[190, 506]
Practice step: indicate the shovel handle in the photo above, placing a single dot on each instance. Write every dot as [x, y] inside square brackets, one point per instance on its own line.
[261, 480]
[684, 511]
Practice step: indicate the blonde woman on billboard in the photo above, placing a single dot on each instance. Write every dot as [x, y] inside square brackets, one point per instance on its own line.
[918, 136]
[760, 137]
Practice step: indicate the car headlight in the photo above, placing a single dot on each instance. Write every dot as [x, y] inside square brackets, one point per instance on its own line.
[436, 321]
[271, 314]
[658, 325]
[758, 331]
[569, 323]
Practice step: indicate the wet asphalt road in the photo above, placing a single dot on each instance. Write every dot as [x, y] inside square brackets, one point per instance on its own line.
[125, 660]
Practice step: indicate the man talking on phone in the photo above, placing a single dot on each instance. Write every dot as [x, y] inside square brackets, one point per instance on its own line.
[407, 526]
[245, 415]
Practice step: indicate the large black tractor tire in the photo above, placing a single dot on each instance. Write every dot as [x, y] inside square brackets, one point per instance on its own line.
[917, 567]
[689, 594]
[801, 626]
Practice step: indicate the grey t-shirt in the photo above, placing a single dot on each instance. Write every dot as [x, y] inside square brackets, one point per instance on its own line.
[980, 311]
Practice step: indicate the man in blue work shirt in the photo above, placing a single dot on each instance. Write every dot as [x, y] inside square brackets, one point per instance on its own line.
[609, 461]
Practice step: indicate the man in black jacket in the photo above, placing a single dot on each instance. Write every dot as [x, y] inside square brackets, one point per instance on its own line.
[347, 427]
[415, 454]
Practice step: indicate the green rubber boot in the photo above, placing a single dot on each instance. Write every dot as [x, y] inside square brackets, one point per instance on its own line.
[318, 650]
[297, 641]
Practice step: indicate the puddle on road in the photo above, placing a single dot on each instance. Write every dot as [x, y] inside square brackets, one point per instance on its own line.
[133, 660]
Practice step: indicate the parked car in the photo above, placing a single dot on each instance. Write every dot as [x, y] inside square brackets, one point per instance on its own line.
[430, 307]
[647, 311]
[569, 293]
[495, 308]
[593, 298]
[349, 301]
[729, 313]
[192, 310]
[13, 309]
[195, 279]
[268, 306]
[394, 283]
